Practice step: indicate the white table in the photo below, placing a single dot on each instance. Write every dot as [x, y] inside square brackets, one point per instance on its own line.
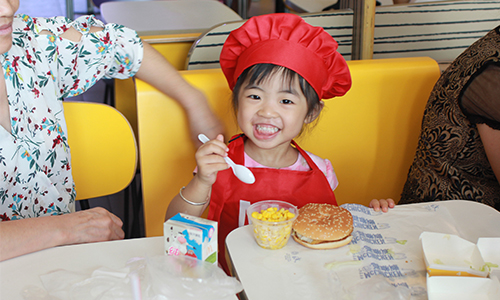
[20, 272]
[168, 17]
[296, 272]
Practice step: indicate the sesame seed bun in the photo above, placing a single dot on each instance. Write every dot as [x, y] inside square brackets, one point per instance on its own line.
[323, 226]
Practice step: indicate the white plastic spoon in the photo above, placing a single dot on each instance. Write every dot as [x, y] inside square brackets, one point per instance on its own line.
[242, 172]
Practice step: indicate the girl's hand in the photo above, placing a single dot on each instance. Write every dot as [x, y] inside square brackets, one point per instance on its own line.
[383, 204]
[210, 160]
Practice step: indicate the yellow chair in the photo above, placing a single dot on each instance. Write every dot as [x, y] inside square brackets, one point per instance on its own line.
[369, 135]
[103, 149]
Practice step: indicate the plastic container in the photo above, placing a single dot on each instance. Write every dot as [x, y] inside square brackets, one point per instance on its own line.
[268, 234]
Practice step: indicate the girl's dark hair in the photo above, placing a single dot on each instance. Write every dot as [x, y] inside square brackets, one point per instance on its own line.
[260, 72]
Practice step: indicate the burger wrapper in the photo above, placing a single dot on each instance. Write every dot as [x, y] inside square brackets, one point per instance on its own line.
[381, 250]
[384, 259]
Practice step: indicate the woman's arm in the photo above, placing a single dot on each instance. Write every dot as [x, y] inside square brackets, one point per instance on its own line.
[158, 72]
[480, 103]
[24, 236]
[491, 142]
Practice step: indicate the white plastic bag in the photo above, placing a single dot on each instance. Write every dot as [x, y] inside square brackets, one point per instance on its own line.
[160, 277]
[185, 278]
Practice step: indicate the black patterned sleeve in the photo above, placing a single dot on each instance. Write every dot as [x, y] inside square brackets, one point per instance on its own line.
[480, 101]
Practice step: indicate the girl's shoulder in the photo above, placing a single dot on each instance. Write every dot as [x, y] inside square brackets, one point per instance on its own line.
[322, 163]
[325, 166]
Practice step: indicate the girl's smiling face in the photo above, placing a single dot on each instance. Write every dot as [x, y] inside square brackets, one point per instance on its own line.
[272, 111]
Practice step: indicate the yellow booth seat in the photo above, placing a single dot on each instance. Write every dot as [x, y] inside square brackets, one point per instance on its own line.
[369, 135]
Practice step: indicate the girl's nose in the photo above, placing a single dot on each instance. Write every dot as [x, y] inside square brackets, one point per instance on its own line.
[267, 111]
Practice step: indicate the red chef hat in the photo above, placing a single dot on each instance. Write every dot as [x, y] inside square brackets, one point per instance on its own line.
[287, 40]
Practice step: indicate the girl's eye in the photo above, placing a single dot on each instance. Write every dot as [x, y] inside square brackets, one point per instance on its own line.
[255, 97]
[286, 101]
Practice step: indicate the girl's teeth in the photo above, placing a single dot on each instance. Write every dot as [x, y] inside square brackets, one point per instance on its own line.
[267, 129]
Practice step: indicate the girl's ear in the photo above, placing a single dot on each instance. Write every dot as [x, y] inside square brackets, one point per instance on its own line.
[317, 110]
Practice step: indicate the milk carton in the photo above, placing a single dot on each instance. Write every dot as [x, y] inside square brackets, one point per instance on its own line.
[191, 236]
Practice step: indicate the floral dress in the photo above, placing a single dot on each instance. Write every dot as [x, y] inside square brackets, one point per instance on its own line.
[41, 69]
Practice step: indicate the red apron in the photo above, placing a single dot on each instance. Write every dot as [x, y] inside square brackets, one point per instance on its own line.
[295, 187]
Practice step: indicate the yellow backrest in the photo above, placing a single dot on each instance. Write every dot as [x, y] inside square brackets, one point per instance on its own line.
[370, 134]
[174, 47]
[103, 149]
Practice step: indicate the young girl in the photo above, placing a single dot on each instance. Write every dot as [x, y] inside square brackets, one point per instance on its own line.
[279, 68]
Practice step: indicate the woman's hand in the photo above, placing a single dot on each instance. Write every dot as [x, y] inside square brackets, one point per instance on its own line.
[384, 204]
[24, 236]
[92, 225]
[210, 160]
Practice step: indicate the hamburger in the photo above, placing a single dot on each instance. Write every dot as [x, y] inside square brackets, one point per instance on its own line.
[322, 226]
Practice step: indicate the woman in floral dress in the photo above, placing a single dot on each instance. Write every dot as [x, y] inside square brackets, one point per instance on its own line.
[46, 60]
